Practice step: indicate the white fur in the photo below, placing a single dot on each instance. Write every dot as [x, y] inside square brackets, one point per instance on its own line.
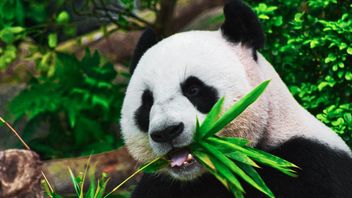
[229, 68]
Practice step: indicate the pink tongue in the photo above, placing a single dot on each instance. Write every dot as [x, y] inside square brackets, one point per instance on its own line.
[178, 158]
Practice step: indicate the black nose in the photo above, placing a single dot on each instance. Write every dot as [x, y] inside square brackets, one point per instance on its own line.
[167, 134]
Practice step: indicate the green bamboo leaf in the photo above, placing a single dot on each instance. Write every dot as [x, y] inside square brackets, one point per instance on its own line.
[234, 168]
[270, 159]
[235, 192]
[157, 165]
[204, 159]
[235, 140]
[197, 130]
[240, 157]
[91, 189]
[258, 155]
[255, 176]
[101, 188]
[236, 109]
[211, 118]
[227, 174]
[74, 181]
[84, 176]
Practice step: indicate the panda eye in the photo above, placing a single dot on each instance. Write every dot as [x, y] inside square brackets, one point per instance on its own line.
[192, 91]
[201, 95]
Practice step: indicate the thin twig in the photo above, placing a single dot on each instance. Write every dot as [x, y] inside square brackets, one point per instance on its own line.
[28, 148]
[15, 132]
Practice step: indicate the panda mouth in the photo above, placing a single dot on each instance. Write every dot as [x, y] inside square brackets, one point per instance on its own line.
[181, 159]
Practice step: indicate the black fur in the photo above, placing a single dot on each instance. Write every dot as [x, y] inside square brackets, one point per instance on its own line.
[325, 173]
[161, 186]
[142, 114]
[147, 40]
[202, 96]
[242, 26]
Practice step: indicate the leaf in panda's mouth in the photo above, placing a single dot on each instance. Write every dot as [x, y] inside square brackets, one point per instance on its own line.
[227, 158]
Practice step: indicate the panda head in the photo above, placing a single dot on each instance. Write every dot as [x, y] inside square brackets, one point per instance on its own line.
[180, 78]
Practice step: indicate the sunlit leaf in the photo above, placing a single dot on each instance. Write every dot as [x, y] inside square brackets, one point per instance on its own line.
[52, 40]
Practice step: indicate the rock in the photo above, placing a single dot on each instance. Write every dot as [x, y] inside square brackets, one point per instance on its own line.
[20, 174]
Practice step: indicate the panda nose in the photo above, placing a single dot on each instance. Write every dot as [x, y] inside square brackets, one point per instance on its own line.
[167, 134]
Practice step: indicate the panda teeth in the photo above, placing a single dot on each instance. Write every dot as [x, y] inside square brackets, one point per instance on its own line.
[189, 158]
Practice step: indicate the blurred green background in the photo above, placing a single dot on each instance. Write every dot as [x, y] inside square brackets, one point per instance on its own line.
[64, 63]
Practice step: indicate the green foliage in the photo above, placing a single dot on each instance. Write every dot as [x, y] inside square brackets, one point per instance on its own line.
[49, 22]
[80, 103]
[310, 45]
[35, 18]
[96, 188]
[72, 106]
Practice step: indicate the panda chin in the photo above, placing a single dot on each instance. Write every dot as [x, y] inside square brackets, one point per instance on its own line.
[183, 165]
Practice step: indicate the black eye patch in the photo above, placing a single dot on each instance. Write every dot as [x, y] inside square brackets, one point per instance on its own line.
[202, 96]
[142, 114]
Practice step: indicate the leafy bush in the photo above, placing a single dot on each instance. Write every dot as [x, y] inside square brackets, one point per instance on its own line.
[80, 103]
[40, 20]
[72, 106]
[310, 44]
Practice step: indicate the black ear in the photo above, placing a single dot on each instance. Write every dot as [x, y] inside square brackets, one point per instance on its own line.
[242, 25]
[146, 41]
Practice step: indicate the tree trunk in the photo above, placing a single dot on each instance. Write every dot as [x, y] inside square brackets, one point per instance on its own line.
[117, 164]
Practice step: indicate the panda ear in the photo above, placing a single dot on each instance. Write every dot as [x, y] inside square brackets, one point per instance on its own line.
[242, 25]
[146, 41]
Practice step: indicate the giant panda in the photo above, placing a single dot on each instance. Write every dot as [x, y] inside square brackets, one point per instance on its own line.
[181, 77]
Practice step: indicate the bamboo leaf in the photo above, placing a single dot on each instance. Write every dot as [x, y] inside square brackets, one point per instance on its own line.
[91, 188]
[157, 165]
[238, 156]
[204, 159]
[227, 174]
[258, 155]
[74, 181]
[235, 192]
[236, 109]
[235, 140]
[211, 118]
[234, 168]
[270, 159]
[84, 176]
[255, 176]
